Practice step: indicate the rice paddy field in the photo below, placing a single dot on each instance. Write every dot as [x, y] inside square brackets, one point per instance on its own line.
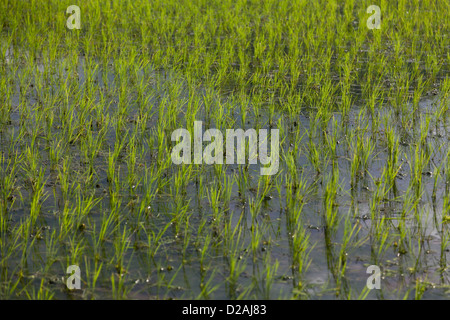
[87, 178]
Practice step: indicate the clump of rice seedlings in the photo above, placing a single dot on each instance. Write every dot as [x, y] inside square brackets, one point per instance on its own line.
[417, 164]
[155, 240]
[206, 286]
[330, 204]
[9, 168]
[268, 275]
[380, 237]
[92, 275]
[119, 290]
[301, 261]
[361, 153]
[121, 244]
[392, 163]
[339, 266]
[235, 259]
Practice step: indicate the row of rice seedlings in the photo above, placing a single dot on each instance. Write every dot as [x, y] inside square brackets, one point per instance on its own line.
[205, 36]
